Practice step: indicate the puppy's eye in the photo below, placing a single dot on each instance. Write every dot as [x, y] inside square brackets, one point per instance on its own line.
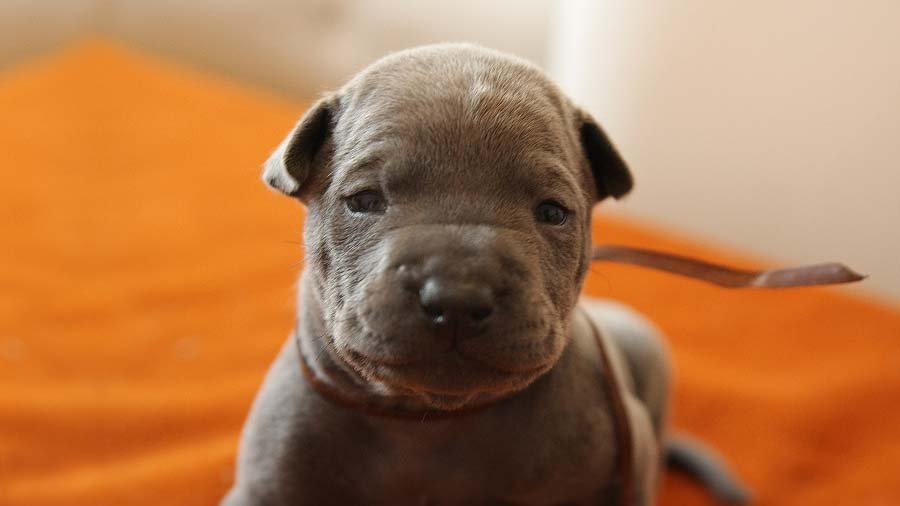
[551, 213]
[368, 201]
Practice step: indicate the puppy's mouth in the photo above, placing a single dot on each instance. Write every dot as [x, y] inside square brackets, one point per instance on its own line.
[454, 372]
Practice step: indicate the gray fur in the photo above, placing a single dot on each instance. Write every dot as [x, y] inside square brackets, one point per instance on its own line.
[463, 142]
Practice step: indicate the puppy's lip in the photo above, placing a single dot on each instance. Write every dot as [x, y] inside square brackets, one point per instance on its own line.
[416, 386]
[530, 369]
[381, 361]
[394, 363]
[412, 375]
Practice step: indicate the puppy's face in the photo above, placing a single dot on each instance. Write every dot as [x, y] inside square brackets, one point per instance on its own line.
[449, 191]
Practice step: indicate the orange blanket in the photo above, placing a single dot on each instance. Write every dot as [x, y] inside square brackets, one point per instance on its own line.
[146, 281]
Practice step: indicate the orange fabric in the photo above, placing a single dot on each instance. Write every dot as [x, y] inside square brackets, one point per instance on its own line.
[146, 282]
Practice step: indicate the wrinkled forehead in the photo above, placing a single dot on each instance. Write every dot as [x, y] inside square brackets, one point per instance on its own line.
[509, 122]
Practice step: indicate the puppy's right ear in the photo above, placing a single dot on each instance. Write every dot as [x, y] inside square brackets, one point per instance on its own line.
[293, 161]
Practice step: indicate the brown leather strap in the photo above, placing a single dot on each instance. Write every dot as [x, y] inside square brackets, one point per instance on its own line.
[615, 392]
[729, 277]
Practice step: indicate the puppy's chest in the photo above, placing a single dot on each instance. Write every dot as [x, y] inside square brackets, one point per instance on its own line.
[569, 462]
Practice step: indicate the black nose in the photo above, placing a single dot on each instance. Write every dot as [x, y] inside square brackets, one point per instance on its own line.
[455, 303]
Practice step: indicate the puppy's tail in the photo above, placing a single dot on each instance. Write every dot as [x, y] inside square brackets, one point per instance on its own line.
[701, 463]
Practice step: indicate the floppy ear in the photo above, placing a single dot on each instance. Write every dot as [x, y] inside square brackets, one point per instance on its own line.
[290, 166]
[610, 173]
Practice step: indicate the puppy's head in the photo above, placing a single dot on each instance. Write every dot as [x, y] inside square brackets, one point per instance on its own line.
[449, 191]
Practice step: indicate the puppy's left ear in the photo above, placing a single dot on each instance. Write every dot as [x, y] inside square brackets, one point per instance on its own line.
[293, 162]
[611, 174]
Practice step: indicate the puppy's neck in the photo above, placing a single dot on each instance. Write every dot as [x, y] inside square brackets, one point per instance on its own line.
[330, 370]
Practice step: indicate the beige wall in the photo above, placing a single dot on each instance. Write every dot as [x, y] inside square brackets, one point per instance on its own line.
[308, 46]
[301, 47]
[32, 27]
[772, 126]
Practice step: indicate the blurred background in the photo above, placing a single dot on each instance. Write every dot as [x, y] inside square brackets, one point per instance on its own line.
[769, 126]
[147, 276]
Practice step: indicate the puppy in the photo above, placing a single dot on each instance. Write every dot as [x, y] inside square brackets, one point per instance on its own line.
[442, 356]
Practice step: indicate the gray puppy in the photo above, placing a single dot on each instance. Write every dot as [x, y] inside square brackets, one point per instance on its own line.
[442, 355]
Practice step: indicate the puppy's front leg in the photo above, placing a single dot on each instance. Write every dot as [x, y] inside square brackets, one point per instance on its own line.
[646, 454]
[291, 448]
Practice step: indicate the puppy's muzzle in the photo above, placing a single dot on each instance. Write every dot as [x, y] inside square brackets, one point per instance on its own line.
[451, 282]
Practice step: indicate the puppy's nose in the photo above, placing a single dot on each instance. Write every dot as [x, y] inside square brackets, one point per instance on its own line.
[455, 303]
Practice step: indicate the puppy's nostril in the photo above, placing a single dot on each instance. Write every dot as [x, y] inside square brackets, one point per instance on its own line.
[434, 312]
[480, 313]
